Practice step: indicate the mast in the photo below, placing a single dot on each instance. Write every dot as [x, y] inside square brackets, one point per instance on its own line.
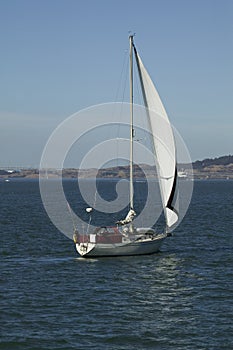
[131, 121]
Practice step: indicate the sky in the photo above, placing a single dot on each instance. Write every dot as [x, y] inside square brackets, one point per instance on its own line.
[60, 56]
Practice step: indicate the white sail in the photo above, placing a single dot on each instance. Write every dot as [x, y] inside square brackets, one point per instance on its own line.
[163, 142]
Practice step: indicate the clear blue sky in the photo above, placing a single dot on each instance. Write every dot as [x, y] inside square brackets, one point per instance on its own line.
[59, 56]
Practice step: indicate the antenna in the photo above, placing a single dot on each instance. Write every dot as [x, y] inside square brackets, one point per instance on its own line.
[130, 33]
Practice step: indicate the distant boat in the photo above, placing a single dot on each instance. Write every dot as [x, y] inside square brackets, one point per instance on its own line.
[182, 174]
[124, 238]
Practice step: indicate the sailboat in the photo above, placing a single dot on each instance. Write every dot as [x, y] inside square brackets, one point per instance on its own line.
[124, 238]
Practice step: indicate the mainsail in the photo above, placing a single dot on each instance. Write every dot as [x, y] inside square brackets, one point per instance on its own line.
[163, 143]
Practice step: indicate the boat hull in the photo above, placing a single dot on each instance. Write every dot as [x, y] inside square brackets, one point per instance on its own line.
[142, 247]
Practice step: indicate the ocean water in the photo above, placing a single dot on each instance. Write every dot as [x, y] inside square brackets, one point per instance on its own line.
[180, 298]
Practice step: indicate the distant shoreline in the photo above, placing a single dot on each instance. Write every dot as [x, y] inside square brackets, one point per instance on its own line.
[216, 168]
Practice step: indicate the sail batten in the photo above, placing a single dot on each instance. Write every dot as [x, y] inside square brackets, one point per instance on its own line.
[163, 143]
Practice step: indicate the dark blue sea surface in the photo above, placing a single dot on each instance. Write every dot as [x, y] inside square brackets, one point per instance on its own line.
[180, 298]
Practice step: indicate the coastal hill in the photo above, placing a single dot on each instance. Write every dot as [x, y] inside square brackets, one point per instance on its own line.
[208, 162]
[219, 168]
[209, 168]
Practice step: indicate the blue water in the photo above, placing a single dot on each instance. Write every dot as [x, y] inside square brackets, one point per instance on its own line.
[180, 298]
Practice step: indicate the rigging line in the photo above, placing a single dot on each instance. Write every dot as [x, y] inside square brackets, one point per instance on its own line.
[126, 66]
[150, 138]
[121, 75]
[138, 86]
[93, 207]
[140, 114]
[89, 222]
[120, 83]
[71, 215]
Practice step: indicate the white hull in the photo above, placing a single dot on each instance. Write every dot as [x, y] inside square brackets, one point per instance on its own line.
[140, 247]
